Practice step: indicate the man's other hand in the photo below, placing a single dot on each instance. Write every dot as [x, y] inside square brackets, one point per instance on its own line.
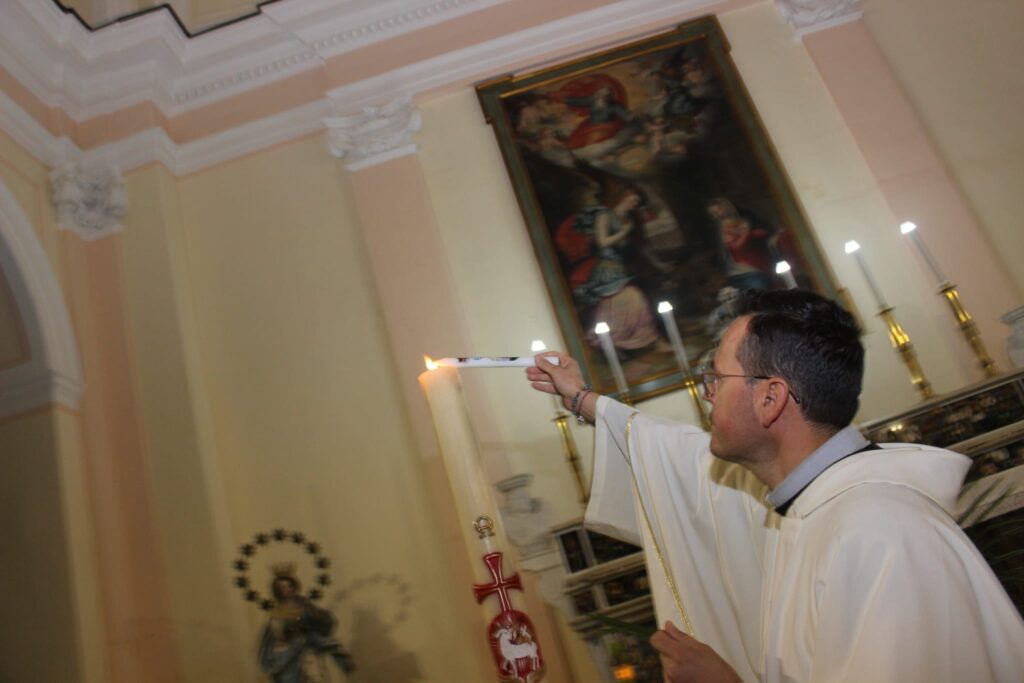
[685, 660]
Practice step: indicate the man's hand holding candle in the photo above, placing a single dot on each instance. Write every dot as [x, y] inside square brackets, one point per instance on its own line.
[565, 380]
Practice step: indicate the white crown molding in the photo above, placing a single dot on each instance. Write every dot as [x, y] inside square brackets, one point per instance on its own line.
[564, 37]
[53, 373]
[28, 133]
[251, 137]
[147, 58]
[811, 16]
[561, 37]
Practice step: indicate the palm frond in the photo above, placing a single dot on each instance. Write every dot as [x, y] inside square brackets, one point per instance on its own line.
[618, 626]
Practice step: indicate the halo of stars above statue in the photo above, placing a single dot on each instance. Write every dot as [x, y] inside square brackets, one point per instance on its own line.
[248, 552]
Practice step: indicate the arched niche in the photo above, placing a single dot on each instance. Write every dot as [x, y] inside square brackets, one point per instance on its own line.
[52, 372]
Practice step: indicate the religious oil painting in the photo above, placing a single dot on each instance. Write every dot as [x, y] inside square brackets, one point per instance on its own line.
[645, 176]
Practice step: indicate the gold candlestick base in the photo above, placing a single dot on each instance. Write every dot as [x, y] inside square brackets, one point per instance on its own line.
[571, 456]
[691, 386]
[625, 397]
[901, 342]
[970, 330]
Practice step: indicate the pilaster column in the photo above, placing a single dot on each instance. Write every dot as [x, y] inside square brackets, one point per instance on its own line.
[407, 258]
[140, 642]
[909, 171]
[416, 296]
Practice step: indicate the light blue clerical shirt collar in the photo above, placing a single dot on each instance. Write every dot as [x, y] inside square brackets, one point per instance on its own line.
[845, 442]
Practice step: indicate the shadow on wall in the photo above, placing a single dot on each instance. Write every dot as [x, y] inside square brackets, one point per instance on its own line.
[378, 657]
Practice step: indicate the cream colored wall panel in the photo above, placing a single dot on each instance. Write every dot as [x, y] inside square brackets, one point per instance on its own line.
[307, 414]
[185, 498]
[38, 639]
[851, 208]
[959, 63]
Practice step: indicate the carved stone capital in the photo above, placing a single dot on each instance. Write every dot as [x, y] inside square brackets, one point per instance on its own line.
[89, 201]
[375, 134]
[808, 16]
[527, 520]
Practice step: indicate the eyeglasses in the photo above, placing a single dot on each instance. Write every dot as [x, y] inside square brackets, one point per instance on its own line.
[709, 378]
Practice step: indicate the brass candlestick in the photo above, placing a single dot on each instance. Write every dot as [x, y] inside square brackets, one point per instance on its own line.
[970, 330]
[901, 341]
[571, 456]
[691, 386]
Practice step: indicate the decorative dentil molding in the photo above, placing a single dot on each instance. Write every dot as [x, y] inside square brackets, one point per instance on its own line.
[375, 134]
[809, 16]
[89, 200]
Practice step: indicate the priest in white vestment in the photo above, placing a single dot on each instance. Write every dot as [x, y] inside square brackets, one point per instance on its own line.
[798, 551]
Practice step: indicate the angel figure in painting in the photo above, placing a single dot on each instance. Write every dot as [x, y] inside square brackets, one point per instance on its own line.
[297, 640]
[598, 242]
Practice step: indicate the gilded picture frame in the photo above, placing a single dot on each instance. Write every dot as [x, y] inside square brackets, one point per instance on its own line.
[644, 174]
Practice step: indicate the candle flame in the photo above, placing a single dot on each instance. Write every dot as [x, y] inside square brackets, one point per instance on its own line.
[907, 227]
[624, 672]
[429, 362]
[851, 246]
[782, 267]
[602, 328]
[664, 307]
[537, 345]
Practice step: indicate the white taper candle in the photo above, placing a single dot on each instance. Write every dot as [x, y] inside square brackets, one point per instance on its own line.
[665, 309]
[853, 248]
[783, 270]
[490, 362]
[605, 337]
[910, 229]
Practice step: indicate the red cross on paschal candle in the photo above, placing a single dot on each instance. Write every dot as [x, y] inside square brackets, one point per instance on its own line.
[501, 585]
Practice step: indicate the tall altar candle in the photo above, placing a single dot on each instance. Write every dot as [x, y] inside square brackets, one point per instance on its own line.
[910, 229]
[605, 337]
[478, 520]
[665, 309]
[853, 248]
[783, 270]
[689, 381]
[471, 488]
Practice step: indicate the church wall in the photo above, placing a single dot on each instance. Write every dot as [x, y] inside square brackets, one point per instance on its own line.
[961, 70]
[843, 201]
[306, 415]
[267, 396]
[38, 635]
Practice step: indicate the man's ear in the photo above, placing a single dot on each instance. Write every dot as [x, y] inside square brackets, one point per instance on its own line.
[771, 399]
